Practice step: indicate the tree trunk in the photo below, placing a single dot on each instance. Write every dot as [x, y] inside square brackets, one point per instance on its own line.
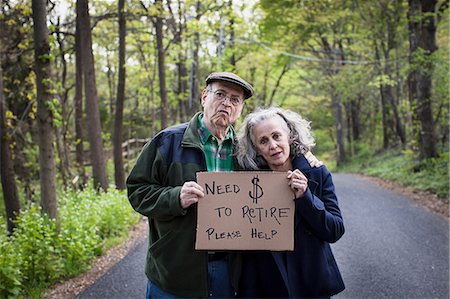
[384, 107]
[232, 46]
[10, 194]
[161, 65]
[93, 117]
[182, 72]
[355, 119]
[387, 124]
[194, 96]
[277, 84]
[60, 134]
[422, 26]
[119, 174]
[78, 103]
[388, 94]
[337, 103]
[44, 115]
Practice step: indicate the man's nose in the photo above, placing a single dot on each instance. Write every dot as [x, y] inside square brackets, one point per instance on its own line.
[227, 101]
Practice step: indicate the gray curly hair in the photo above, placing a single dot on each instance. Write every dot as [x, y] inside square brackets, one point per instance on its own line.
[298, 128]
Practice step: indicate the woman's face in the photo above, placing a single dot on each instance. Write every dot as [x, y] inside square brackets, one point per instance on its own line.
[271, 138]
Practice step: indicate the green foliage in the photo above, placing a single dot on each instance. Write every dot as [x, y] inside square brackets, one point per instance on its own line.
[402, 167]
[11, 276]
[37, 254]
[35, 250]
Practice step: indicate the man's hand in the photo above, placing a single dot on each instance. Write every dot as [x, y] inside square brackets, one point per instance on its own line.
[190, 193]
[312, 160]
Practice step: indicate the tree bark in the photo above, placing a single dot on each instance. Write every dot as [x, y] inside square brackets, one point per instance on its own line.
[422, 36]
[337, 103]
[60, 131]
[161, 65]
[44, 92]
[355, 119]
[90, 88]
[119, 174]
[232, 39]
[194, 96]
[10, 193]
[78, 102]
[277, 84]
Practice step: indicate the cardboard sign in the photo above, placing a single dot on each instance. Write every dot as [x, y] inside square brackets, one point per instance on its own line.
[245, 211]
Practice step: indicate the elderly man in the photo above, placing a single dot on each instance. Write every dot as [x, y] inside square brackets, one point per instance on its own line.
[162, 187]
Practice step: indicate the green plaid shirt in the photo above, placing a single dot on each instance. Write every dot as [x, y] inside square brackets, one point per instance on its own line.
[219, 157]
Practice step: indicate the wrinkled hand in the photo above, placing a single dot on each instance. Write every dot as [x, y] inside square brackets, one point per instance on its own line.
[312, 160]
[298, 182]
[190, 193]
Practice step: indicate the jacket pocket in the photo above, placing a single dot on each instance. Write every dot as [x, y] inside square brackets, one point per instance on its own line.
[161, 244]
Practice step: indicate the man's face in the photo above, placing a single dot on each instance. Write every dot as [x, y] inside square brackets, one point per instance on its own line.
[222, 103]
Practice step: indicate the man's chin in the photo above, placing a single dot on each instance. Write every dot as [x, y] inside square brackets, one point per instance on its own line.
[221, 122]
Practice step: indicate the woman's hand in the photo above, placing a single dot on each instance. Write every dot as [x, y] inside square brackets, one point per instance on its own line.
[190, 194]
[298, 182]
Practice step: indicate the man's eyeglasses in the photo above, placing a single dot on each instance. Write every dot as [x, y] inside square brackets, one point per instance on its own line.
[220, 95]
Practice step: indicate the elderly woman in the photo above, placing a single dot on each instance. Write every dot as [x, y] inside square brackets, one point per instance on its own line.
[277, 139]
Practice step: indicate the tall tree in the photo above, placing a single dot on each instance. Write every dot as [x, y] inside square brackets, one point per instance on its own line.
[10, 194]
[90, 89]
[422, 26]
[61, 130]
[194, 91]
[119, 173]
[161, 63]
[78, 103]
[44, 86]
[232, 39]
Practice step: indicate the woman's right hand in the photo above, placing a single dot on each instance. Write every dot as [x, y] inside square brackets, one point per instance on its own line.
[298, 182]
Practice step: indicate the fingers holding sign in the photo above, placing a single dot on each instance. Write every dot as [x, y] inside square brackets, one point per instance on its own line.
[190, 193]
[298, 182]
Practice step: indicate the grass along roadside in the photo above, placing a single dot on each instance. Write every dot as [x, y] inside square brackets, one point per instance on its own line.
[426, 181]
[37, 255]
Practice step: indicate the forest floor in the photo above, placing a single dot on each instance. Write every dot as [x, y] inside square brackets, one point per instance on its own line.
[72, 287]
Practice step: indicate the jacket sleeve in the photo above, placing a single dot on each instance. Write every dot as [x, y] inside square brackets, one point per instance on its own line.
[322, 215]
[147, 191]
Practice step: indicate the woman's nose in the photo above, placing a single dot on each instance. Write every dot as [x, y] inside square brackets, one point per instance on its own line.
[272, 144]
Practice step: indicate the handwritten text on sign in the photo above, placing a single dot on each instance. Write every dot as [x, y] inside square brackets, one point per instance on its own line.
[245, 211]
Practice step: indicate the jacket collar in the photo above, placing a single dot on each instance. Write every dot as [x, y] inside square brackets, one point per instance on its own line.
[191, 136]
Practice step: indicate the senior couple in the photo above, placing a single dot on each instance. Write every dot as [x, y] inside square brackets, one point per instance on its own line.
[162, 186]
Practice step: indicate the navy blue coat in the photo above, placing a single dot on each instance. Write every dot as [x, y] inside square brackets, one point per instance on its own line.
[310, 271]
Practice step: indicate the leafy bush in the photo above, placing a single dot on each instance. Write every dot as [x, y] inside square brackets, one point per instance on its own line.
[403, 167]
[11, 276]
[37, 254]
[36, 248]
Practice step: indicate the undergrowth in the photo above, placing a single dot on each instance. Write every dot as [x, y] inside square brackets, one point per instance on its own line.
[404, 168]
[38, 254]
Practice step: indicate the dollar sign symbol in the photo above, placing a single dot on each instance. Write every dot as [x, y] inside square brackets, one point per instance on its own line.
[257, 190]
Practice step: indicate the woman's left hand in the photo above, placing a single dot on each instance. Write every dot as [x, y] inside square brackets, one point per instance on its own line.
[298, 182]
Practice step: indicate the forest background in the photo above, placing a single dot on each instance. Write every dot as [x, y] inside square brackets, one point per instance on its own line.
[84, 85]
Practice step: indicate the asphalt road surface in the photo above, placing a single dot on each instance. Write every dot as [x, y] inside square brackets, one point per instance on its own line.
[392, 248]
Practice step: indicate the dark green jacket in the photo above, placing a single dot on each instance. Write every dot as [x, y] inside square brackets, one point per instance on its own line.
[171, 158]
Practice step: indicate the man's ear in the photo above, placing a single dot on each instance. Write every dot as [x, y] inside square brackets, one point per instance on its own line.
[203, 96]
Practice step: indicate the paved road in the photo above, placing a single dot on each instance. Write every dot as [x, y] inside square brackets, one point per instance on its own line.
[392, 248]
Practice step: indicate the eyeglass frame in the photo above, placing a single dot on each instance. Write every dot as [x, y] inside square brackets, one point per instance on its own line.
[227, 96]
